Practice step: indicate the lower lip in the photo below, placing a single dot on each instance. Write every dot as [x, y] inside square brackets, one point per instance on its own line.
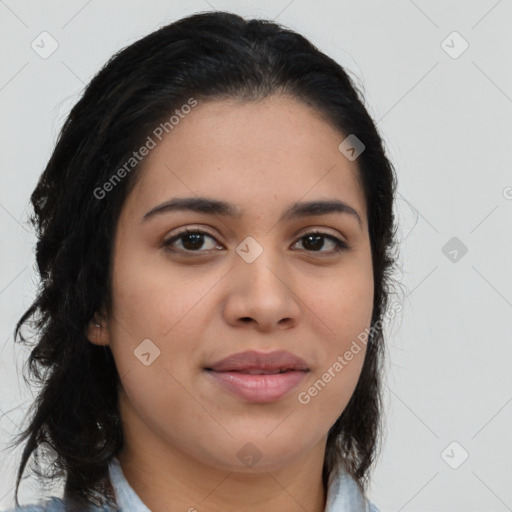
[259, 388]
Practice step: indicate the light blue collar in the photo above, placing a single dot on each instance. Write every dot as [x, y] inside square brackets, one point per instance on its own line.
[126, 498]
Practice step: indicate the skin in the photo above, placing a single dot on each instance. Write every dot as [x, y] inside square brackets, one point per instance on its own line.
[182, 430]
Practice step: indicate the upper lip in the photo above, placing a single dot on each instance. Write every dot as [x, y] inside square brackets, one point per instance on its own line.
[265, 361]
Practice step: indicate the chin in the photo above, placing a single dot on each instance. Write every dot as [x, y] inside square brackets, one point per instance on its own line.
[258, 455]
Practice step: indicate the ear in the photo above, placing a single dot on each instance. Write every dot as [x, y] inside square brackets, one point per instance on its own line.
[97, 330]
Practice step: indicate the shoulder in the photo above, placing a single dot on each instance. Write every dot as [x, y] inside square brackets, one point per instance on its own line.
[373, 508]
[51, 505]
[55, 504]
[345, 493]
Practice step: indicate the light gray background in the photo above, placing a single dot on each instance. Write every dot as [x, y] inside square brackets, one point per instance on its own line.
[447, 126]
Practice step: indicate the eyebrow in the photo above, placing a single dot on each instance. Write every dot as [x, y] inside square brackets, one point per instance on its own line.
[211, 206]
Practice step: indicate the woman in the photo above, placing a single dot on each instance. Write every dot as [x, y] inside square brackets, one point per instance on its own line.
[215, 244]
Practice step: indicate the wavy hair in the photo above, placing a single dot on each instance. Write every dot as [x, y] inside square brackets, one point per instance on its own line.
[207, 56]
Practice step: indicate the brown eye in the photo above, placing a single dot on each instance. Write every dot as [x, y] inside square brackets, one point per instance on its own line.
[315, 242]
[191, 241]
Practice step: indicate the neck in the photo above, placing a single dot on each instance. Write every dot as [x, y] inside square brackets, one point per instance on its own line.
[172, 481]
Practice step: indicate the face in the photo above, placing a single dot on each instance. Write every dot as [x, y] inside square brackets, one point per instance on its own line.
[257, 281]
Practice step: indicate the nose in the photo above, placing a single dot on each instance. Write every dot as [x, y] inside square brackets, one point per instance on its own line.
[262, 294]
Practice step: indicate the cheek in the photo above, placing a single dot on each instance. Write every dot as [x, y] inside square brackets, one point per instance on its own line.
[153, 307]
[154, 396]
[159, 311]
[345, 307]
[332, 384]
[344, 303]
[152, 297]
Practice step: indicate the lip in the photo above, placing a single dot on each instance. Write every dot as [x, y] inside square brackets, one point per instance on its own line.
[259, 377]
[253, 360]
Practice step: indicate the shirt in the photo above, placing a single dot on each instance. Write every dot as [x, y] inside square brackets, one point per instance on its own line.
[343, 495]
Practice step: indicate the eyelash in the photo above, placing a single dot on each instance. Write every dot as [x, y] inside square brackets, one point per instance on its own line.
[341, 245]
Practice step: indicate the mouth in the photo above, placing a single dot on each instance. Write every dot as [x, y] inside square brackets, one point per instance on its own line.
[259, 377]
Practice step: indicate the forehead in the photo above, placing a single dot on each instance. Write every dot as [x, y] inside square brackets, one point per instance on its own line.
[253, 154]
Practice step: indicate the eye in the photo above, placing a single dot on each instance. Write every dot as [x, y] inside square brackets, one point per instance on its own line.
[314, 240]
[193, 240]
